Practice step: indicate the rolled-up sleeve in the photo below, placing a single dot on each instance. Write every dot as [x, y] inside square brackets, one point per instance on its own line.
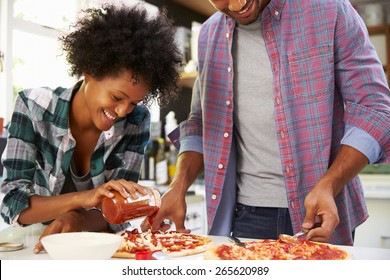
[363, 142]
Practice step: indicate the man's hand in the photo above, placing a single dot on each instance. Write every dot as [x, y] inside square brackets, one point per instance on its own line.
[321, 213]
[173, 204]
[321, 209]
[173, 207]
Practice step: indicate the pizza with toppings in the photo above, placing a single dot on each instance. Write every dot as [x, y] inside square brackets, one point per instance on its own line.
[172, 243]
[277, 250]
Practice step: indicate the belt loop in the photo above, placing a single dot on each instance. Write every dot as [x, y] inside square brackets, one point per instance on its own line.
[253, 209]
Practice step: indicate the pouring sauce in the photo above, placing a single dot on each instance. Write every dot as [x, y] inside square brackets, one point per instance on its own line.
[118, 209]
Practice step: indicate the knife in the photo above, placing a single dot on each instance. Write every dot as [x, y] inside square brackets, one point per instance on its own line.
[237, 241]
[295, 238]
[10, 246]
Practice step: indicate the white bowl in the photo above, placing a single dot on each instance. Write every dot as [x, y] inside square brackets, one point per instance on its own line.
[81, 245]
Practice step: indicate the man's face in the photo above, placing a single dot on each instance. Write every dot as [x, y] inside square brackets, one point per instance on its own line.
[242, 11]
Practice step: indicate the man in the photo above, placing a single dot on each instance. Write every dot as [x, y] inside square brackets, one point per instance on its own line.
[290, 104]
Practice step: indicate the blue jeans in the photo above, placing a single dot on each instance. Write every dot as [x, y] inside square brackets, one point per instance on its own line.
[261, 222]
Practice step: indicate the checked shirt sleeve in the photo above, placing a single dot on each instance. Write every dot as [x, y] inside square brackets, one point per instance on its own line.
[19, 163]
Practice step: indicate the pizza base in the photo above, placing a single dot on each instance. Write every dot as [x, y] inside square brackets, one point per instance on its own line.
[189, 252]
[183, 253]
[123, 255]
[211, 255]
[125, 250]
[241, 253]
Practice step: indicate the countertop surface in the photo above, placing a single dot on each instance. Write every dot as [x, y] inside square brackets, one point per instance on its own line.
[29, 236]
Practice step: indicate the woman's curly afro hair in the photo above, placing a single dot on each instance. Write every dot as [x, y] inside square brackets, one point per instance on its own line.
[112, 39]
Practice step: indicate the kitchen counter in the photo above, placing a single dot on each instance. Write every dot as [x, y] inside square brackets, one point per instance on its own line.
[376, 186]
[375, 232]
[29, 236]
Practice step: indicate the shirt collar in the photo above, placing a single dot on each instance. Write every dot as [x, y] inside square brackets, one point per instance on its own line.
[109, 133]
[275, 7]
[62, 110]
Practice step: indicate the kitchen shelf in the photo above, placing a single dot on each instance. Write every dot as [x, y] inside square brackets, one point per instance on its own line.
[376, 30]
[187, 79]
[383, 30]
[202, 7]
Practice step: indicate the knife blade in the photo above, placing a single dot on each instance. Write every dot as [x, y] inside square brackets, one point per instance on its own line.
[10, 246]
[237, 241]
[294, 238]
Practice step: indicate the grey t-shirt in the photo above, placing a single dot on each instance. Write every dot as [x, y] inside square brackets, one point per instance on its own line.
[259, 170]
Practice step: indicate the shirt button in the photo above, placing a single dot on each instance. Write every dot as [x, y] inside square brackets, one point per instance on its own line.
[213, 197]
[276, 67]
[220, 166]
[276, 12]
[268, 35]
[227, 35]
[226, 135]
[287, 169]
[229, 69]
[228, 102]
[277, 99]
[282, 134]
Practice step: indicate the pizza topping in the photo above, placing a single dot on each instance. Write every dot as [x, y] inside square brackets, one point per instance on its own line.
[279, 250]
[167, 242]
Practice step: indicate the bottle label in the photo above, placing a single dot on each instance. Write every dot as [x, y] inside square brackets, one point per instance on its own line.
[151, 168]
[162, 172]
[171, 171]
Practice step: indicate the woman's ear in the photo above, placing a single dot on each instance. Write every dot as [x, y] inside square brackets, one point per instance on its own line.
[86, 76]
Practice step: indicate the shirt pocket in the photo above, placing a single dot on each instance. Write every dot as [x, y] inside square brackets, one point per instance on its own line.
[312, 71]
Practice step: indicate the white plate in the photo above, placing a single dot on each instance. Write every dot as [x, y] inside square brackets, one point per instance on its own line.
[81, 245]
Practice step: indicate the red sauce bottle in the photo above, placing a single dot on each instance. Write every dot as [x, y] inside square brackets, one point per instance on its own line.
[118, 209]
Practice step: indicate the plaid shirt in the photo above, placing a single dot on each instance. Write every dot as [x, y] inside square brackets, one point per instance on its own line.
[40, 148]
[326, 75]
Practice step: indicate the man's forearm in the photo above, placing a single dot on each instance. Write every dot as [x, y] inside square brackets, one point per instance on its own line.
[189, 166]
[348, 163]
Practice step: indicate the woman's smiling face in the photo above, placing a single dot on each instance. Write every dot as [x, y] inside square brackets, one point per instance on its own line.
[112, 97]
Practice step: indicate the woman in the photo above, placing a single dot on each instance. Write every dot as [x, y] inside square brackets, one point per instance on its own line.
[69, 148]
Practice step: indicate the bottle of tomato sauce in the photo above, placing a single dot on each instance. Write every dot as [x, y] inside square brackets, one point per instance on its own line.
[118, 209]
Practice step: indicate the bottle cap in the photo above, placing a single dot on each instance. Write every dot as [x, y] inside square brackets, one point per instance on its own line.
[155, 255]
[142, 255]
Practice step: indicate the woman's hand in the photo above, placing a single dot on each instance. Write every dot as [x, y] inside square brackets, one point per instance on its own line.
[93, 198]
[71, 221]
